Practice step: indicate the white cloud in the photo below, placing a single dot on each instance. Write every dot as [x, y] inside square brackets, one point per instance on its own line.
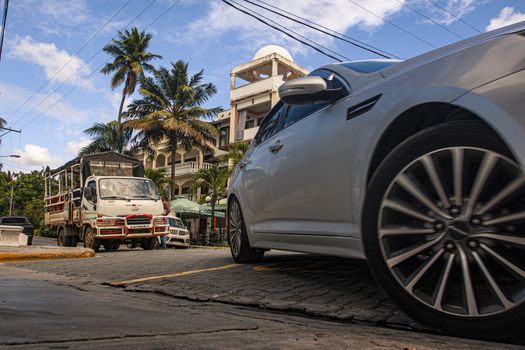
[68, 11]
[12, 96]
[222, 19]
[458, 7]
[52, 59]
[73, 147]
[506, 17]
[37, 157]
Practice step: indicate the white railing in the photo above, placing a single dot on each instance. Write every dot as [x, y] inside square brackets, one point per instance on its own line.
[187, 168]
[250, 89]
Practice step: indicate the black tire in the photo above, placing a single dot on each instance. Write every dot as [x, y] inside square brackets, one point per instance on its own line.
[62, 239]
[108, 245]
[450, 137]
[90, 241]
[116, 245]
[148, 243]
[73, 241]
[238, 240]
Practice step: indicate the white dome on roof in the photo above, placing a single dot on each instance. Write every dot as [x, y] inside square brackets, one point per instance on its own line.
[269, 49]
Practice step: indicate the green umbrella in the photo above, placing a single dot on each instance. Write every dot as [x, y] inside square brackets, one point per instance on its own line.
[205, 210]
[184, 207]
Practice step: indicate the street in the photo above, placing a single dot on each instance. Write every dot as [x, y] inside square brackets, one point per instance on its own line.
[197, 298]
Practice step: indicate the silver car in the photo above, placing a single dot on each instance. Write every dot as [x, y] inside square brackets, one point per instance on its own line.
[416, 166]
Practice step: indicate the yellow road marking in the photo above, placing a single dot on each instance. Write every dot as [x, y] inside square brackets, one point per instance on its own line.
[264, 268]
[178, 274]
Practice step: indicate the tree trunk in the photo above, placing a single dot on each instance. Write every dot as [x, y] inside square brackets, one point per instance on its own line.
[119, 121]
[173, 158]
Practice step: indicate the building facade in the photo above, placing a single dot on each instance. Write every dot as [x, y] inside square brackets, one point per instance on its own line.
[253, 92]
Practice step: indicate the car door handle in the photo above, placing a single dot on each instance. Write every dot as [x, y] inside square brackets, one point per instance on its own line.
[276, 147]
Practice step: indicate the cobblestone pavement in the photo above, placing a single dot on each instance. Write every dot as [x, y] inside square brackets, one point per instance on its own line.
[315, 285]
[321, 286]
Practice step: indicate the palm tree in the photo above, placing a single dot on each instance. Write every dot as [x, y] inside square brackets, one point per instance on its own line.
[215, 180]
[3, 122]
[171, 113]
[130, 60]
[235, 152]
[106, 137]
[159, 177]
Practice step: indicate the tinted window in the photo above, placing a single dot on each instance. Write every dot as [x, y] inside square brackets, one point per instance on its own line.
[270, 124]
[298, 112]
[15, 221]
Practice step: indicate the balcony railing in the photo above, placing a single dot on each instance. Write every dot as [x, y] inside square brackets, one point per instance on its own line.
[187, 168]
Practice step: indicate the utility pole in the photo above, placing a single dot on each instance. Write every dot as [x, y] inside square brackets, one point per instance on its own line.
[4, 20]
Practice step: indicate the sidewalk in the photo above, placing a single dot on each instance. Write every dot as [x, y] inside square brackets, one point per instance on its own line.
[29, 253]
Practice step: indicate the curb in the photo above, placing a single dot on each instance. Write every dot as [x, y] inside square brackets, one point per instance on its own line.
[44, 253]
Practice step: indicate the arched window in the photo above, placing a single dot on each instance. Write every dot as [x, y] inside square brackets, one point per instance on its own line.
[161, 161]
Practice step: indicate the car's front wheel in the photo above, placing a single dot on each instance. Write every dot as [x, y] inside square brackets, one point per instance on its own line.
[240, 247]
[444, 231]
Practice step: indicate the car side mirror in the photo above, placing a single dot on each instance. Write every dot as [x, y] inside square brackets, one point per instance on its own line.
[307, 91]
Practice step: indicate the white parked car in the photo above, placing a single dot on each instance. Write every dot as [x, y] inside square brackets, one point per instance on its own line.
[179, 235]
[416, 166]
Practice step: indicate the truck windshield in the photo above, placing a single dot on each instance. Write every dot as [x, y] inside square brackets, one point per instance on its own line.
[125, 188]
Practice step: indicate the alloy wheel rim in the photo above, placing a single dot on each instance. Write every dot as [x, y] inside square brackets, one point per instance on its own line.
[451, 230]
[235, 227]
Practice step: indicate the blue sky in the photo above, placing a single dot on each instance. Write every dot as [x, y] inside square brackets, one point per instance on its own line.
[42, 35]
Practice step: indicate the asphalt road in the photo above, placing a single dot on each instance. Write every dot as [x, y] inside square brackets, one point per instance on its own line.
[197, 298]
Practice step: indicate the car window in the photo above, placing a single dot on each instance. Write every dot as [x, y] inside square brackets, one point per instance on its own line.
[270, 124]
[298, 112]
[93, 186]
[15, 221]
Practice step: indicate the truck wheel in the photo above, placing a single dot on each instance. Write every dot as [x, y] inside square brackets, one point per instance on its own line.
[73, 241]
[116, 245]
[62, 239]
[108, 245]
[90, 241]
[148, 243]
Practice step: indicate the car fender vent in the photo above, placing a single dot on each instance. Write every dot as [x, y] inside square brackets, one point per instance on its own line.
[362, 107]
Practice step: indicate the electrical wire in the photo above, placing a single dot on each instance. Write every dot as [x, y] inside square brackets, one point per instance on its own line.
[430, 19]
[456, 17]
[393, 24]
[97, 69]
[339, 36]
[4, 20]
[292, 31]
[281, 30]
[72, 57]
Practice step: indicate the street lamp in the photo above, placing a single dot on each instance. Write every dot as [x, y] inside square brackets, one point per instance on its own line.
[11, 156]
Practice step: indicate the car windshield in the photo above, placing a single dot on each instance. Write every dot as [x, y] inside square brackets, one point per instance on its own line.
[126, 188]
[176, 223]
[14, 221]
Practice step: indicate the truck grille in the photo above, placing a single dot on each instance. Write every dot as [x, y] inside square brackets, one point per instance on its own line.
[138, 220]
[136, 231]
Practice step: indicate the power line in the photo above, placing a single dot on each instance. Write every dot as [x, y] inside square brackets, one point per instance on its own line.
[430, 19]
[294, 32]
[456, 17]
[99, 67]
[281, 30]
[17, 167]
[72, 57]
[339, 36]
[393, 24]
[80, 68]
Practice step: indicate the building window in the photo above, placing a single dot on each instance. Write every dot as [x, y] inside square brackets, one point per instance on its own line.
[224, 137]
[249, 124]
[161, 161]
